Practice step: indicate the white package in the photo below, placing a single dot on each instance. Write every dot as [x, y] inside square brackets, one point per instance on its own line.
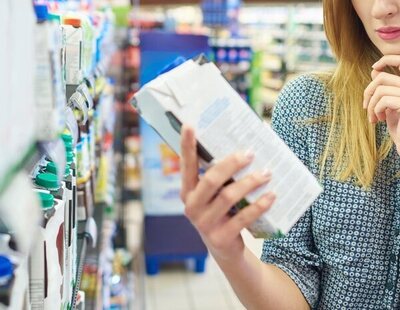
[73, 38]
[197, 94]
[49, 94]
[17, 107]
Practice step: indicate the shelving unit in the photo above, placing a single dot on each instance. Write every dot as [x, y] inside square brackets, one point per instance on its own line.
[259, 2]
[272, 34]
[92, 254]
[82, 246]
[309, 44]
[84, 119]
[288, 40]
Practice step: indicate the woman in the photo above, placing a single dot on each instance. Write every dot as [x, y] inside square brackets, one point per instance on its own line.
[344, 252]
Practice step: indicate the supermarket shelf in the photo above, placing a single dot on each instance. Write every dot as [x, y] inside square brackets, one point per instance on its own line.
[131, 194]
[273, 67]
[164, 2]
[273, 83]
[313, 66]
[82, 249]
[90, 304]
[93, 254]
[311, 36]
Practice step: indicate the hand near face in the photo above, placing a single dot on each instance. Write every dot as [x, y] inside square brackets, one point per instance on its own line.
[382, 97]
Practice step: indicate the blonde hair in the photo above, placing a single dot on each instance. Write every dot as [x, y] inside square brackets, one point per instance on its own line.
[351, 149]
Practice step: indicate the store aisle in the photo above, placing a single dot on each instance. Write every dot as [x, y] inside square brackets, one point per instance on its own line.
[177, 288]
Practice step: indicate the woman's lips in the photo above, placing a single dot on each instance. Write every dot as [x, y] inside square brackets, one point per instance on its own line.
[389, 33]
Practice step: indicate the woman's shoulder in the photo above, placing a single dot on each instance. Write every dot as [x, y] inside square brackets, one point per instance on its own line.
[300, 113]
[306, 96]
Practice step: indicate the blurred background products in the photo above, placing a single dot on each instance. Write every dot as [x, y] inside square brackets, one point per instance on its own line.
[90, 213]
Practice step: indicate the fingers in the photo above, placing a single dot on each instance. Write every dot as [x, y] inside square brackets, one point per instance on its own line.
[381, 100]
[387, 102]
[189, 161]
[246, 217]
[218, 175]
[230, 196]
[379, 78]
[392, 120]
[387, 60]
[375, 73]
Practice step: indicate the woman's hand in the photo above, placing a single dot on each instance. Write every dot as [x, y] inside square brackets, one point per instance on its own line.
[382, 97]
[208, 202]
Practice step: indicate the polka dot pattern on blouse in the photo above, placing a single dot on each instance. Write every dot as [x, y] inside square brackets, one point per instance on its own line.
[344, 252]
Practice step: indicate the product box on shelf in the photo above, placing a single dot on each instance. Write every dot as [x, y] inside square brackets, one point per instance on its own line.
[197, 94]
[49, 92]
[17, 63]
[73, 63]
[47, 257]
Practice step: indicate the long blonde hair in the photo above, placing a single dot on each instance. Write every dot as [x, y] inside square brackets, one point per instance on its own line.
[351, 147]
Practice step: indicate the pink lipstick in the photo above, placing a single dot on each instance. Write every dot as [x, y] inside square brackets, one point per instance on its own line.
[389, 33]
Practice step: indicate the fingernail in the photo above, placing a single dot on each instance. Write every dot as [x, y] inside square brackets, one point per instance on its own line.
[266, 200]
[249, 155]
[266, 173]
[271, 196]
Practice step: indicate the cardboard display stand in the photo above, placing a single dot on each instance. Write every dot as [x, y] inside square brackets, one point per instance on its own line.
[168, 234]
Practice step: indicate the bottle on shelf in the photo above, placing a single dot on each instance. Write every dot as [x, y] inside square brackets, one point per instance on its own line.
[69, 229]
[6, 279]
[47, 260]
[68, 141]
[49, 181]
[48, 208]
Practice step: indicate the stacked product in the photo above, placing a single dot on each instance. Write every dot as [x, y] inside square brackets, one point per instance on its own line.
[233, 56]
[220, 13]
[67, 101]
[287, 40]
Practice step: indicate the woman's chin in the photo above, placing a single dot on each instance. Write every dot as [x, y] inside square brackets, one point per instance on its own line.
[390, 48]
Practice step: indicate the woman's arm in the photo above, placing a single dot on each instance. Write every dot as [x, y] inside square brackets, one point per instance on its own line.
[258, 285]
[262, 286]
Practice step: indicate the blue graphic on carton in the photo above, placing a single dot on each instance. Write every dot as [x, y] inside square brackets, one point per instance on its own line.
[171, 194]
[213, 111]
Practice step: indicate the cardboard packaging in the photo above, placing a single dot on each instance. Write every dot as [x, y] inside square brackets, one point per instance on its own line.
[49, 92]
[197, 94]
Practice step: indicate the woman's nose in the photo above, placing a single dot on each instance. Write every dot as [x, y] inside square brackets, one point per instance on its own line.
[382, 9]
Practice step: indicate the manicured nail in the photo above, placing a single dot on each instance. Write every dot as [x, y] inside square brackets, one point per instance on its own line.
[267, 173]
[271, 196]
[249, 155]
[264, 204]
[266, 200]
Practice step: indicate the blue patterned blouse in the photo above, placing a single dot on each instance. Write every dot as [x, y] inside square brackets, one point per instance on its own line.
[344, 252]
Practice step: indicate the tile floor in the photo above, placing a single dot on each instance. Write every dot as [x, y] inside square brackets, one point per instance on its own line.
[177, 288]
